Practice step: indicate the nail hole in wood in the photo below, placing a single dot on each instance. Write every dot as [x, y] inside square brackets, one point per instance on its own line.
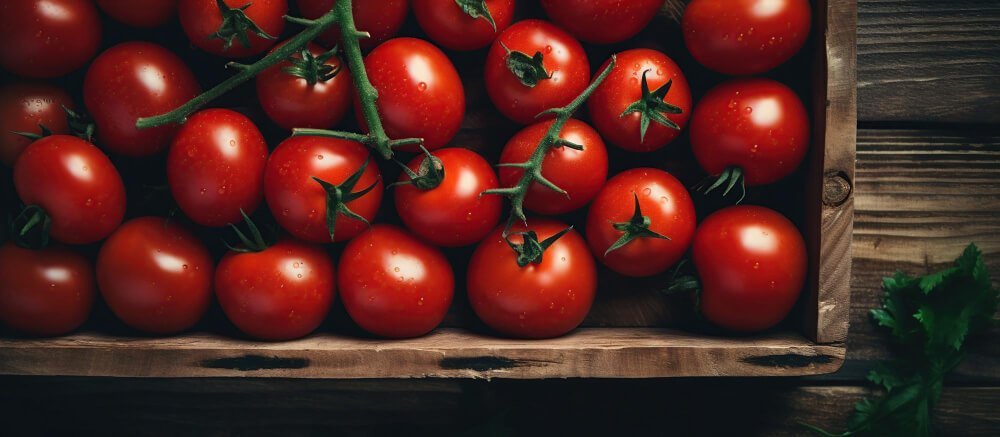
[836, 188]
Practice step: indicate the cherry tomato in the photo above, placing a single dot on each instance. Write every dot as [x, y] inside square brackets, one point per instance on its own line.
[381, 19]
[279, 293]
[133, 80]
[420, 92]
[155, 275]
[308, 98]
[602, 21]
[75, 183]
[581, 173]
[394, 285]
[23, 107]
[542, 300]
[215, 167]
[566, 70]
[203, 23]
[745, 36]
[447, 24]
[752, 264]
[300, 203]
[757, 125]
[45, 292]
[611, 105]
[48, 38]
[147, 13]
[662, 200]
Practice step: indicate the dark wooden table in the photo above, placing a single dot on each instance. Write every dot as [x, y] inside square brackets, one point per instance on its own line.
[928, 182]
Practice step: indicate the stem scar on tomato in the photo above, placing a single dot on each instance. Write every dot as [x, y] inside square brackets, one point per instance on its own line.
[235, 25]
[530, 250]
[477, 9]
[636, 227]
[337, 197]
[427, 177]
[528, 69]
[651, 106]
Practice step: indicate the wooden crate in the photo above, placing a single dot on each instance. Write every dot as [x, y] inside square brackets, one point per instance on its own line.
[620, 338]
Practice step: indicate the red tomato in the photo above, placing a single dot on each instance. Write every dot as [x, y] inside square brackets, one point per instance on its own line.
[44, 292]
[48, 38]
[155, 275]
[602, 21]
[453, 213]
[310, 97]
[665, 209]
[757, 125]
[539, 300]
[146, 13]
[205, 25]
[447, 24]
[394, 285]
[215, 167]
[420, 93]
[75, 183]
[581, 173]
[23, 107]
[618, 105]
[563, 61]
[752, 264]
[300, 203]
[745, 36]
[133, 80]
[381, 19]
[279, 293]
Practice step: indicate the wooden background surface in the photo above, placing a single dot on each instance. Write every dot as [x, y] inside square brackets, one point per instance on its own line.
[928, 182]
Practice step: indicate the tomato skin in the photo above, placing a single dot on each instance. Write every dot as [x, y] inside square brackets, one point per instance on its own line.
[580, 172]
[539, 300]
[446, 24]
[202, 18]
[566, 62]
[25, 105]
[133, 80]
[280, 293]
[290, 101]
[299, 203]
[602, 21]
[758, 125]
[742, 37]
[427, 102]
[48, 38]
[752, 263]
[155, 275]
[75, 183]
[45, 292]
[664, 200]
[215, 167]
[624, 86]
[145, 14]
[381, 19]
[454, 213]
[393, 285]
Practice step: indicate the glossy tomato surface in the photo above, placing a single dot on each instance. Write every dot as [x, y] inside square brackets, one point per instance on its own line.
[201, 19]
[47, 38]
[45, 292]
[448, 25]
[291, 101]
[145, 13]
[25, 107]
[602, 21]
[381, 19]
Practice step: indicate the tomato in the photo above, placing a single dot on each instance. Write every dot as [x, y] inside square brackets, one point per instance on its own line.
[420, 92]
[448, 25]
[394, 285]
[757, 125]
[215, 167]
[301, 204]
[744, 37]
[133, 80]
[44, 292]
[563, 73]
[317, 95]
[75, 184]
[581, 173]
[147, 13]
[48, 38]
[752, 265]
[656, 238]
[619, 105]
[381, 19]
[542, 299]
[229, 33]
[25, 107]
[279, 293]
[155, 275]
[602, 21]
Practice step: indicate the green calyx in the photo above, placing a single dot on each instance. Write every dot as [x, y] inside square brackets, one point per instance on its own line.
[530, 250]
[477, 9]
[338, 196]
[235, 25]
[730, 177]
[44, 132]
[652, 107]
[313, 68]
[636, 227]
[528, 69]
[683, 279]
[79, 125]
[427, 177]
[30, 228]
[253, 243]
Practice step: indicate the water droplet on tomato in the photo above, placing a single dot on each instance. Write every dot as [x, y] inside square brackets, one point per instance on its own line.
[422, 86]
[647, 191]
